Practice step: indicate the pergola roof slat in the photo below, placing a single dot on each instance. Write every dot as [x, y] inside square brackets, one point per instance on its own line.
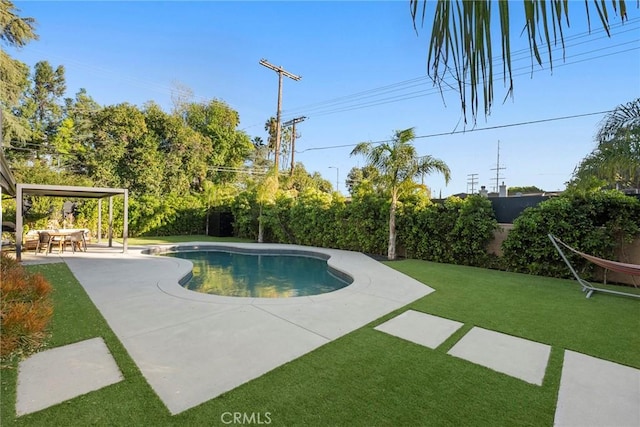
[69, 191]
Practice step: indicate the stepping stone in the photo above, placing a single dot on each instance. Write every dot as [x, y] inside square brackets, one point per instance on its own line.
[420, 328]
[597, 392]
[517, 357]
[62, 373]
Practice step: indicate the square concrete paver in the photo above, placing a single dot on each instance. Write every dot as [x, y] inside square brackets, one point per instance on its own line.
[420, 328]
[596, 392]
[518, 357]
[53, 376]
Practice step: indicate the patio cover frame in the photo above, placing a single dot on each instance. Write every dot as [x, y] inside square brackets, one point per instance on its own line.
[99, 193]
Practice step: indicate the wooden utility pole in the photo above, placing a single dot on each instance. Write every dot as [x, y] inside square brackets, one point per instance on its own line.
[281, 71]
[292, 123]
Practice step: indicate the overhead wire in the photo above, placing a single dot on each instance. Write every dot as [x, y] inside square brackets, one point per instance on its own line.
[435, 135]
[410, 83]
[524, 70]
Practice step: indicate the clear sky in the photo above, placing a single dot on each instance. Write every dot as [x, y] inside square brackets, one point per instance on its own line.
[363, 71]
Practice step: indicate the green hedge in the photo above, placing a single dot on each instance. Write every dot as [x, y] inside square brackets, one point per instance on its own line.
[456, 231]
[597, 223]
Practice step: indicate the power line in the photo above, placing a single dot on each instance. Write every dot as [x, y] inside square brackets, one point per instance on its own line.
[434, 135]
[525, 70]
[406, 84]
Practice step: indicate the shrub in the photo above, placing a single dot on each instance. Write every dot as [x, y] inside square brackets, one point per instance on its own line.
[596, 223]
[455, 231]
[25, 309]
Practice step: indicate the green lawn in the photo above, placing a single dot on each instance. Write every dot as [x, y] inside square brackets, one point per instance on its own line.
[367, 377]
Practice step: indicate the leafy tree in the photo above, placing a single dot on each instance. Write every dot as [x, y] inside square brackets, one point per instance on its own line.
[398, 164]
[74, 139]
[302, 180]
[462, 45]
[357, 176]
[230, 147]
[42, 106]
[524, 190]
[616, 159]
[116, 129]
[185, 152]
[16, 32]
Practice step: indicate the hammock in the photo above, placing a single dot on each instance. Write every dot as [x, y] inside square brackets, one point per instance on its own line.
[620, 267]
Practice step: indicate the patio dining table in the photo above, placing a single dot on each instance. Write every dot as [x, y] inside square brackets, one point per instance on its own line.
[62, 237]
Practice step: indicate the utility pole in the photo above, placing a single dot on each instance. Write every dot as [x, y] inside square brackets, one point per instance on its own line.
[281, 71]
[472, 180]
[498, 168]
[292, 123]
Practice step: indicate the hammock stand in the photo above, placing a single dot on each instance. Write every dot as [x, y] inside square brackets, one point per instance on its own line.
[620, 267]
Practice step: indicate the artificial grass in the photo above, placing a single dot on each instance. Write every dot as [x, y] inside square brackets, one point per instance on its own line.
[544, 309]
[368, 377]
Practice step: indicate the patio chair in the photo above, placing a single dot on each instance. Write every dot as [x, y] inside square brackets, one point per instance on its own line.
[620, 267]
[78, 241]
[44, 240]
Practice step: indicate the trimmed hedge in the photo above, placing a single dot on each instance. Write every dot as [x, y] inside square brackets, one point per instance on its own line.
[597, 223]
[456, 231]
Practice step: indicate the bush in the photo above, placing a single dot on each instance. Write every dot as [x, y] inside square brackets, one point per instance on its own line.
[596, 223]
[25, 309]
[456, 231]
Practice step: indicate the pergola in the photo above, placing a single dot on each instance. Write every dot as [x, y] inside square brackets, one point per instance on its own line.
[23, 190]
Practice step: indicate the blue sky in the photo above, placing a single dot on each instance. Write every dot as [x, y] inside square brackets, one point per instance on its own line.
[363, 71]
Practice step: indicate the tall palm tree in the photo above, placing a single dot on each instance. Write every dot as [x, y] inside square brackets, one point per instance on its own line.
[616, 159]
[461, 42]
[398, 164]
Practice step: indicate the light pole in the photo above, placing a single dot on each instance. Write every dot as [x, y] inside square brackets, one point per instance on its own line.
[337, 177]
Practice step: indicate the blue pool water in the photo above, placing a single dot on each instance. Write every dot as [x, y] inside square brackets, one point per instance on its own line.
[259, 275]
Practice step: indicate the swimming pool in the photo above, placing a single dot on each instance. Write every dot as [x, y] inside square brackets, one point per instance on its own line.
[273, 274]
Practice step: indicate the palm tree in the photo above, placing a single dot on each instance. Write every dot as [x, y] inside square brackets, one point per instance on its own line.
[461, 42]
[398, 164]
[616, 159]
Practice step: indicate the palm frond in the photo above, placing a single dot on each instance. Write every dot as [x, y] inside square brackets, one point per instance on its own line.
[461, 41]
[625, 116]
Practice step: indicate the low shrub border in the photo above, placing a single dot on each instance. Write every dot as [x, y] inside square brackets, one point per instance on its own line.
[25, 309]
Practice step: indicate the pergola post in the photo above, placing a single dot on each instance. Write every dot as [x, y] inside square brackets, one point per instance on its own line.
[110, 221]
[125, 227]
[99, 220]
[19, 222]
